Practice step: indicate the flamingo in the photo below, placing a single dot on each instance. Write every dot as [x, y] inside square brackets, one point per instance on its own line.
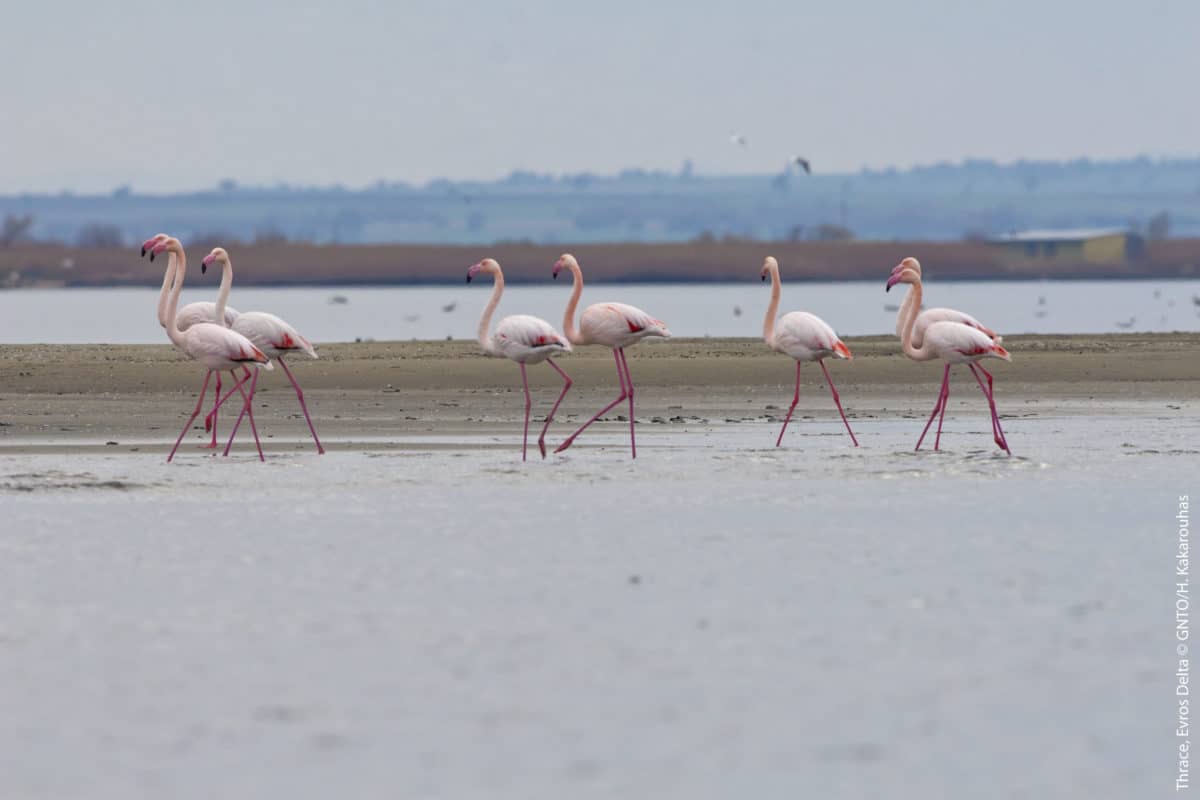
[932, 315]
[269, 333]
[952, 341]
[614, 325]
[186, 317]
[525, 340]
[216, 347]
[804, 337]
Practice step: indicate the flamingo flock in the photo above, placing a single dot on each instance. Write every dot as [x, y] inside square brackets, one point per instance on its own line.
[223, 340]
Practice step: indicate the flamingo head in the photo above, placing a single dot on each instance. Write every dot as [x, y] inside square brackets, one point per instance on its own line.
[769, 265]
[165, 244]
[217, 254]
[907, 263]
[148, 245]
[489, 265]
[565, 261]
[905, 275]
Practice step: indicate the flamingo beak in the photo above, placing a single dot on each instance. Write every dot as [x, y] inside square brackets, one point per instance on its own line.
[473, 270]
[892, 281]
[147, 245]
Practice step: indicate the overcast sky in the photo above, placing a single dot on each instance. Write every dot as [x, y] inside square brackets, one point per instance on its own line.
[101, 94]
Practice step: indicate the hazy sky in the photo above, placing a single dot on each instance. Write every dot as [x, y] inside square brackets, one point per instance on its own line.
[101, 94]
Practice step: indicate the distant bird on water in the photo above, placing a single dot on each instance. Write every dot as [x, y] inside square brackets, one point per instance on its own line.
[450, 306]
[804, 337]
[523, 339]
[738, 139]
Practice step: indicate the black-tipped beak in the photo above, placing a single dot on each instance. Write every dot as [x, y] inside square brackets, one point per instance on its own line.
[468, 279]
[151, 255]
[203, 268]
[556, 276]
[887, 288]
[143, 252]
[764, 278]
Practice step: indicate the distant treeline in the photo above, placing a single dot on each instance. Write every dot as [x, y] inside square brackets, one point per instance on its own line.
[942, 202]
[298, 264]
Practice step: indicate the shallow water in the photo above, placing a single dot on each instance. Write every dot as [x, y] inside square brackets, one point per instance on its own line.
[718, 619]
[126, 316]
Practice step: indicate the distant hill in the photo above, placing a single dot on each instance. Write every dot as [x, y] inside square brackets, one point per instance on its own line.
[942, 202]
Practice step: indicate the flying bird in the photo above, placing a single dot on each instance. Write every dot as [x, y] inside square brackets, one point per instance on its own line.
[802, 163]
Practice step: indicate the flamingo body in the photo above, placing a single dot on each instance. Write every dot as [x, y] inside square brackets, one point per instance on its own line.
[221, 349]
[271, 334]
[807, 337]
[618, 325]
[527, 340]
[956, 343]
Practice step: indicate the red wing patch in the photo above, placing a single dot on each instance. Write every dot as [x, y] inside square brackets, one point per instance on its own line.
[633, 326]
[286, 342]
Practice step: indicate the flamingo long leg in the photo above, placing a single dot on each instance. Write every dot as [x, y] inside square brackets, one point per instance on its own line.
[303, 407]
[938, 407]
[997, 435]
[568, 441]
[837, 400]
[528, 403]
[210, 422]
[945, 401]
[566, 385]
[1000, 439]
[241, 382]
[791, 408]
[247, 411]
[192, 418]
[629, 388]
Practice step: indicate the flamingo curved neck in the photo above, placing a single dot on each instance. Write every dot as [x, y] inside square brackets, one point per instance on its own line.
[178, 274]
[223, 293]
[485, 321]
[908, 320]
[165, 292]
[772, 308]
[572, 333]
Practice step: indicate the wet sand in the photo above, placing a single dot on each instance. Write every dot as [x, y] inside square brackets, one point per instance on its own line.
[371, 394]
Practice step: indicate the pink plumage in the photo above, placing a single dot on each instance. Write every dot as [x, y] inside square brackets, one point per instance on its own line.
[804, 337]
[523, 339]
[614, 325]
[953, 337]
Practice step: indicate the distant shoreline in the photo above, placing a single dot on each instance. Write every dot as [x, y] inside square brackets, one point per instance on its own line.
[33, 265]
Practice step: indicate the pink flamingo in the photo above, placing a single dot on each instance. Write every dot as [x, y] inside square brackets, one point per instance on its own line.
[269, 333]
[215, 347]
[186, 317]
[952, 341]
[932, 315]
[614, 325]
[804, 337]
[525, 340]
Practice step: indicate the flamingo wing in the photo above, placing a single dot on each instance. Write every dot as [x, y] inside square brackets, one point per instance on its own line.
[216, 347]
[957, 343]
[272, 334]
[806, 336]
[529, 331]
